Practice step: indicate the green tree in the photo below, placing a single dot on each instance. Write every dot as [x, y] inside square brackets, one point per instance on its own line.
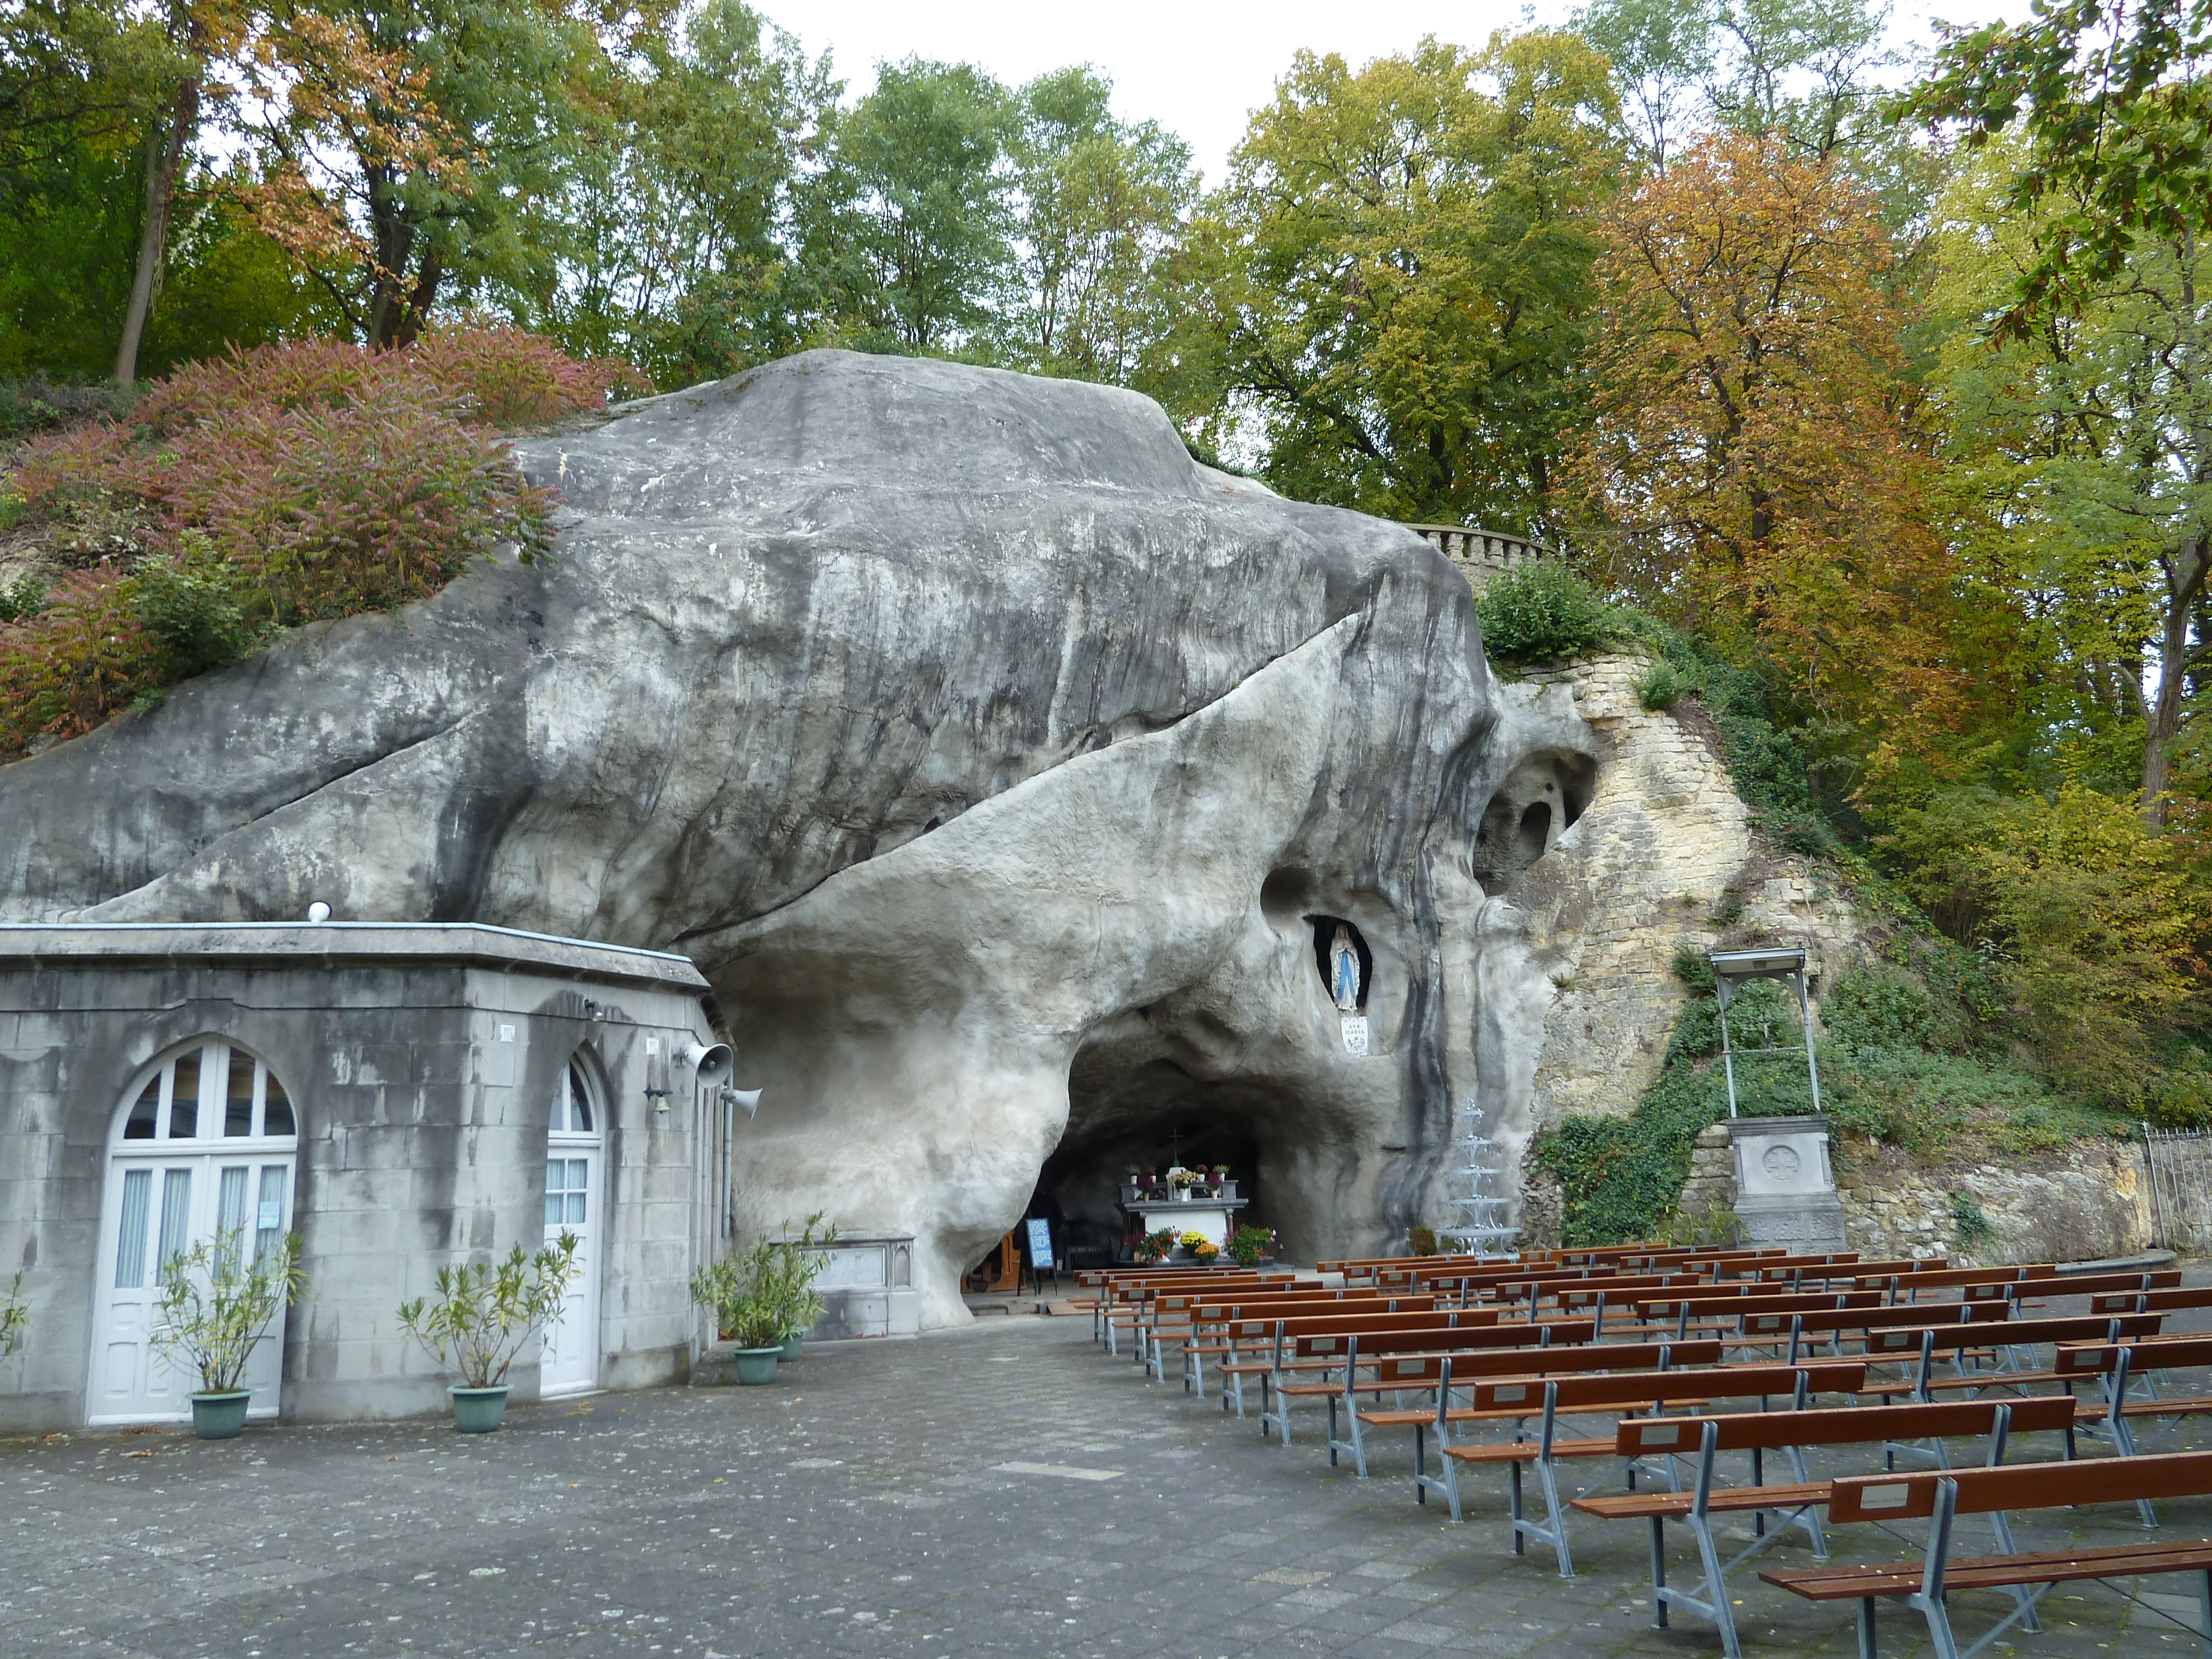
[907, 231]
[671, 248]
[1102, 208]
[1400, 270]
[2081, 461]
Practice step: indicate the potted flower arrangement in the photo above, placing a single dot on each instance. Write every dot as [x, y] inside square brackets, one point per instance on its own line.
[1220, 1178]
[1182, 1181]
[482, 1318]
[1202, 1247]
[216, 1305]
[1156, 1246]
[1249, 1246]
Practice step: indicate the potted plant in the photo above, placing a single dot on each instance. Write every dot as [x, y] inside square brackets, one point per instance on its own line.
[482, 1318]
[216, 1305]
[1202, 1248]
[799, 1263]
[1249, 1246]
[1220, 1178]
[1183, 1181]
[1157, 1246]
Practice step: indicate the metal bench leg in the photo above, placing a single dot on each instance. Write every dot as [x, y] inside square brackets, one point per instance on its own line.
[2204, 1607]
[1708, 1557]
[1866, 1627]
[1658, 1573]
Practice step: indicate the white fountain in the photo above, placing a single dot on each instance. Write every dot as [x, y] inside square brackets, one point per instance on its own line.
[1480, 1230]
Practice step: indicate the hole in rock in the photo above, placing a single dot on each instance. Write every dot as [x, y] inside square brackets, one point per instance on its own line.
[1541, 799]
[1535, 832]
[1284, 898]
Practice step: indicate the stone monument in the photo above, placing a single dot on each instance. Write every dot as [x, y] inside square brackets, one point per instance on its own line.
[1786, 1185]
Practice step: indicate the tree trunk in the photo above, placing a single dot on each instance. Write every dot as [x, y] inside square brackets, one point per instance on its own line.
[165, 156]
[2162, 723]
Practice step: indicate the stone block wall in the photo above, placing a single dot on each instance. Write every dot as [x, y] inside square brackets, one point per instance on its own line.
[2080, 1204]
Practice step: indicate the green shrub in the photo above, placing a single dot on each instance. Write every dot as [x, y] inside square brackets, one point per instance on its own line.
[1969, 1226]
[1542, 610]
[1882, 1008]
[1663, 685]
[191, 615]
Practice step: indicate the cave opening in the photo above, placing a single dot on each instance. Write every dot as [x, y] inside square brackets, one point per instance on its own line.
[1079, 1188]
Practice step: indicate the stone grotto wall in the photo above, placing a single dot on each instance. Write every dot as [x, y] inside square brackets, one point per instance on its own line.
[994, 762]
[1580, 993]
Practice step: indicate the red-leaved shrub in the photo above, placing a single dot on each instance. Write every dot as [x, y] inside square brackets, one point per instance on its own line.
[83, 659]
[306, 482]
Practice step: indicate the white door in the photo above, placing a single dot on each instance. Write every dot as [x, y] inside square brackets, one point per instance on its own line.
[207, 1143]
[574, 1204]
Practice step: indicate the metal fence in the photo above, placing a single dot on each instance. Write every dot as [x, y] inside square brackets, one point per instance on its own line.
[2180, 1167]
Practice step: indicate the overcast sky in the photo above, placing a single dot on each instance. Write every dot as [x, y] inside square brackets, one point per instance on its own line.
[1198, 67]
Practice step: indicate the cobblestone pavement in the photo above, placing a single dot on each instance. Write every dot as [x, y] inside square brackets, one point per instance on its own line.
[1006, 1489]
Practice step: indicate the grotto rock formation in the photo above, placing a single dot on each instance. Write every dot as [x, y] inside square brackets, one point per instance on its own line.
[971, 739]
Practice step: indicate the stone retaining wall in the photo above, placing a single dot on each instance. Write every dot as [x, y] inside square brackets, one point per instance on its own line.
[2079, 1204]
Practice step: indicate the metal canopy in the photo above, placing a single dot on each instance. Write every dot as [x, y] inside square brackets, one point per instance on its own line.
[1733, 968]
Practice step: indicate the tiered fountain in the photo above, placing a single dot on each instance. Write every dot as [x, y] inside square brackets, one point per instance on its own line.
[1480, 1230]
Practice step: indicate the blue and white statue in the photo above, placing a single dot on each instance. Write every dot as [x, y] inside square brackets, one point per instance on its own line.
[1343, 971]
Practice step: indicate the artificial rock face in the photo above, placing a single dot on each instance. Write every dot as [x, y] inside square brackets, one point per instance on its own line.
[999, 765]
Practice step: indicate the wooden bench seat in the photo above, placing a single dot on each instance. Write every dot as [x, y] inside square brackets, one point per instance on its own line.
[1620, 1397]
[1794, 1501]
[1939, 1497]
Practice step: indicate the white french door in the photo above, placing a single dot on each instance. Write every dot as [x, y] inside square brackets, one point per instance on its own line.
[208, 1144]
[574, 1202]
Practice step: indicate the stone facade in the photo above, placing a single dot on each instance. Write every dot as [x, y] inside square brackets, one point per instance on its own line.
[421, 1063]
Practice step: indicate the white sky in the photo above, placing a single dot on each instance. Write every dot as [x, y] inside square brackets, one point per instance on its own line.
[1198, 67]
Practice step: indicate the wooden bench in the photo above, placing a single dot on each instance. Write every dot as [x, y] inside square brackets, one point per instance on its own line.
[1454, 1373]
[1169, 1318]
[1617, 1396]
[1330, 1348]
[1192, 1329]
[2010, 1336]
[2115, 1366]
[1795, 1503]
[1939, 1497]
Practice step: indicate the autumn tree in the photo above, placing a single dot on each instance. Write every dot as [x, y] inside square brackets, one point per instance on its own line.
[1751, 463]
[1401, 269]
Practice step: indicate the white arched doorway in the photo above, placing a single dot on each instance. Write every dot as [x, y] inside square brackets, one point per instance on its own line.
[206, 1142]
[576, 1202]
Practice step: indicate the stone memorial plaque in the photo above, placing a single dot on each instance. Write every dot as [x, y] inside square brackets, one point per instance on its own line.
[1355, 1034]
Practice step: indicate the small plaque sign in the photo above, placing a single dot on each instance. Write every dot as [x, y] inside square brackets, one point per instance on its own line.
[1040, 1243]
[1355, 1034]
[271, 1216]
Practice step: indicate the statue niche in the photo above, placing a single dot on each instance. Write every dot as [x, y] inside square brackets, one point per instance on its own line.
[1346, 966]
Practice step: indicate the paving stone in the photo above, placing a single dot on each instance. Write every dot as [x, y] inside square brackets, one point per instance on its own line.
[857, 1508]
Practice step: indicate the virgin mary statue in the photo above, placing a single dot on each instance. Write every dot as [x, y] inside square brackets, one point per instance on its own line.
[1343, 971]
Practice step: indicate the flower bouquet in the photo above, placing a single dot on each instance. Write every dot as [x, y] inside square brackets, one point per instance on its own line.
[1204, 1248]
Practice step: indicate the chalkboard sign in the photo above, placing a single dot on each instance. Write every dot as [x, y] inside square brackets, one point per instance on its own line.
[1041, 1245]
